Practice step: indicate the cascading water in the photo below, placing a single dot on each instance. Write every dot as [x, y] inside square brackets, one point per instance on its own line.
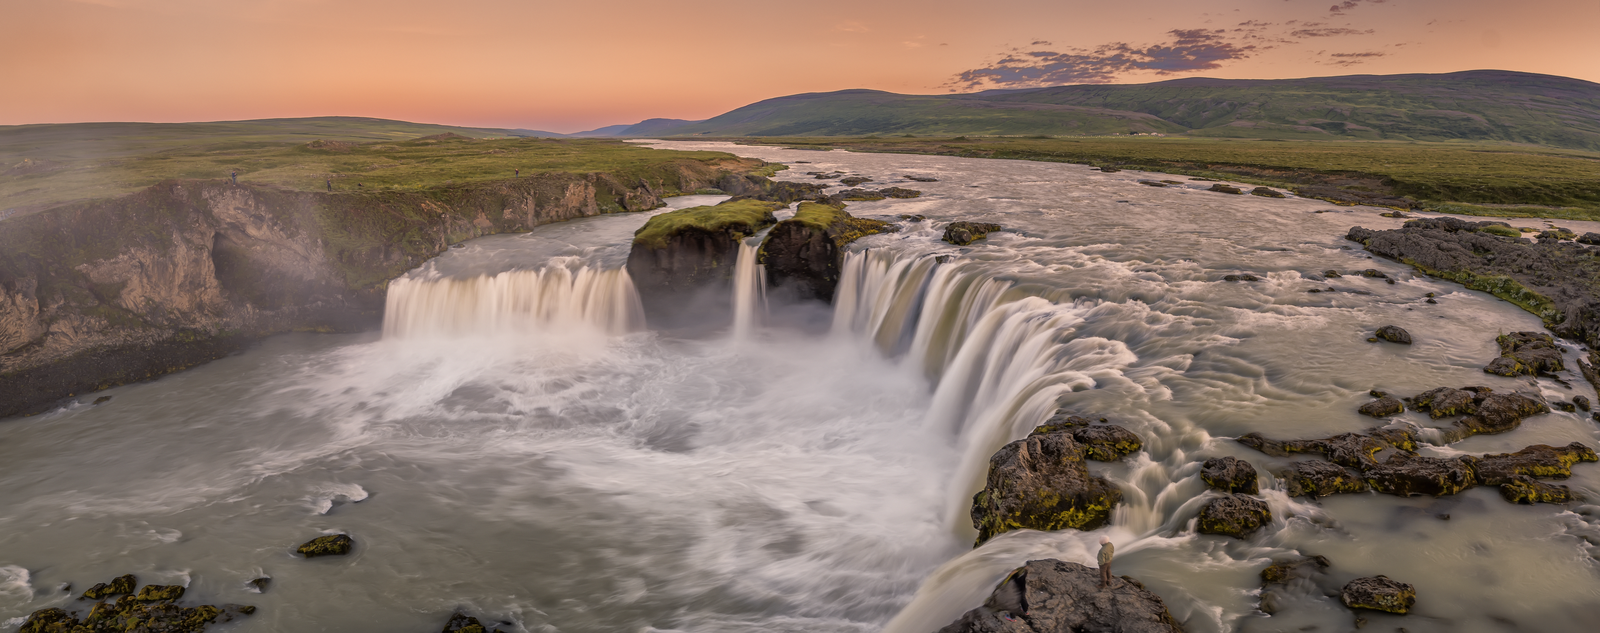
[564, 294]
[749, 288]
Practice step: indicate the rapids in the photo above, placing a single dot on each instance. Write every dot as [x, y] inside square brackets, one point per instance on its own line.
[517, 444]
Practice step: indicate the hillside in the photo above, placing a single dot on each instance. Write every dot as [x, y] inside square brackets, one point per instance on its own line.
[1480, 105]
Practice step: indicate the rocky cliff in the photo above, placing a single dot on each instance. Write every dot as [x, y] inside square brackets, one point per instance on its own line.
[681, 261]
[107, 292]
[805, 253]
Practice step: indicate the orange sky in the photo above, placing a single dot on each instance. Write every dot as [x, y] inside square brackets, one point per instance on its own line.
[578, 65]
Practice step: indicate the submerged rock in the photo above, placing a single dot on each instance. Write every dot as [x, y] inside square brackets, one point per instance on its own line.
[1233, 515]
[1286, 574]
[1405, 474]
[1355, 450]
[1040, 482]
[118, 586]
[1317, 478]
[331, 545]
[1230, 474]
[1383, 407]
[806, 252]
[919, 178]
[260, 584]
[157, 593]
[899, 192]
[1052, 596]
[1394, 334]
[1266, 193]
[1221, 188]
[1539, 460]
[1526, 354]
[1379, 593]
[962, 233]
[1581, 402]
[153, 610]
[851, 181]
[858, 195]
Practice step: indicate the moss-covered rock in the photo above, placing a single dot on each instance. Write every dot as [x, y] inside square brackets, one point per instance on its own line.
[157, 593]
[1230, 474]
[1539, 460]
[1233, 515]
[805, 253]
[1379, 593]
[1393, 334]
[1355, 450]
[1052, 596]
[1286, 577]
[679, 254]
[1405, 474]
[1317, 478]
[120, 585]
[1221, 188]
[1041, 483]
[1526, 354]
[1383, 407]
[1526, 490]
[1106, 442]
[154, 609]
[463, 623]
[962, 233]
[1266, 193]
[1444, 402]
[1497, 413]
[330, 545]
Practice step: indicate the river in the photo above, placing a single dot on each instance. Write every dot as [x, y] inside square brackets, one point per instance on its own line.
[517, 444]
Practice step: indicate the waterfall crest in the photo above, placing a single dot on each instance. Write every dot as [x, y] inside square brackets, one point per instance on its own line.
[749, 289]
[566, 294]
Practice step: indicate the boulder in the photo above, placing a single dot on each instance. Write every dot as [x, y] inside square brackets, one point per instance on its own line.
[1526, 354]
[1581, 402]
[1373, 273]
[858, 195]
[1355, 450]
[1230, 474]
[1539, 460]
[1383, 407]
[1241, 277]
[899, 192]
[1266, 193]
[1221, 188]
[1405, 474]
[1233, 515]
[1379, 593]
[1052, 596]
[1497, 413]
[962, 233]
[679, 254]
[1394, 334]
[851, 181]
[330, 545]
[158, 593]
[805, 253]
[1444, 402]
[1040, 482]
[124, 584]
[1106, 442]
[463, 623]
[1526, 490]
[154, 609]
[260, 584]
[1317, 478]
[1331, 274]
[1592, 239]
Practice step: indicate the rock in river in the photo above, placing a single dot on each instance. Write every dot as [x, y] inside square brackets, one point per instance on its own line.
[1526, 490]
[1405, 474]
[962, 233]
[1394, 334]
[1380, 593]
[679, 254]
[1052, 596]
[1233, 515]
[1040, 482]
[1539, 460]
[118, 586]
[154, 610]
[805, 252]
[330, 545]
[1230, 474]
[1221, 188]
[1444, 402]
[1526, 354]
[1317, 478]
[1383, 407]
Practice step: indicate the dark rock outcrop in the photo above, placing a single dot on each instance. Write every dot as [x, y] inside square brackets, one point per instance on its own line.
[330, 545]
[1283, 575]
[1383, 407]
[1041, 483]
[683, 254]
[155, 609]
[1106, 442]
[806, 252]
[1230, 474]
[1379, 593]
[919, 178]
[1317, 478]
[1526, 354]
[1405, 474]
[1233, 515]
[1444, 402]
[1592, 239]
[1052, 596]
[120, 585]
[858, 195]
[899, 193]
[463, 623]
[1355, 450]
[1221, 188]
[1539, 460]
[1554, 280]
[1394, 334]
[962, 233]
[1527, 491]
[1266, 193]
[1497, 413]
[851, 181]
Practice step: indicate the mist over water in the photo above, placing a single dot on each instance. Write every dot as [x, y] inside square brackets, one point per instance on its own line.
[518, 444]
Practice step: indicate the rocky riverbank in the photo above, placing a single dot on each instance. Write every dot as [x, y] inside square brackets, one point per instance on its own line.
[108, 292]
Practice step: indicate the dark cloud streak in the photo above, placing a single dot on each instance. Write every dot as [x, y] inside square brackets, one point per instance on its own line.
[1189, 50]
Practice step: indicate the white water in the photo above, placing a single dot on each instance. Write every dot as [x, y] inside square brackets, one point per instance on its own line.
[518, 446]
[749, 289]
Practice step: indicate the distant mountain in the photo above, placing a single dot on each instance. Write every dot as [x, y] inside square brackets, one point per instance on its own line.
[1480, 105]
[609, 130]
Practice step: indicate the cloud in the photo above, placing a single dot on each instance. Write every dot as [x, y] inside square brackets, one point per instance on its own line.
[1189, 50]
[1351, 59]
[1347, 5]
[1329, 32]
[1041, 43]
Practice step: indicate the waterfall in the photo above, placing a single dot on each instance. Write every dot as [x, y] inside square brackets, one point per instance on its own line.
[749, 289]
[564, 294]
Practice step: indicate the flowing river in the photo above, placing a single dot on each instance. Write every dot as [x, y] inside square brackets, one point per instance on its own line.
[517, 444]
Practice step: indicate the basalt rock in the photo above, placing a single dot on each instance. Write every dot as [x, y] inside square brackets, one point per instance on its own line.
[1317, 478]
[1497, 413]
[1230, 474]
[1355, 450]
[1539, 460]
[786, 192]
[689, 254]
[463, 623]
[157, 593]
[1106, 442]
[1554, 280]
[1405, 475]
[1041, 483]
[962, 233]
[899, 192]
[1241, 277]
[1266, 193]
[805, 253]
[120, 585]
[331, 545]
[1526, 354]
[1444, 402]
[1581, 402]
[858, 195]
[919, 178]
[1383, 407]
[1221, 188]
[1526, 490]
[1592, 239]
[1286, 576]
[1052, 596]
[1394, 334]
[1233, 515]
[851, 181]
[1379, 593]
[154, 610]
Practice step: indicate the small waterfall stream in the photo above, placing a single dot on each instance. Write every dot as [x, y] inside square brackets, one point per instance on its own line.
[566, 293]
[749, 288]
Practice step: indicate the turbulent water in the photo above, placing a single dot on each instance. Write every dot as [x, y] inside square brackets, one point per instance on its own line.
[518, 445]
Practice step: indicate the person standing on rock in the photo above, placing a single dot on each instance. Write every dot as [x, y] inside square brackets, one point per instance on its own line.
[1105, 561]
[235, 175]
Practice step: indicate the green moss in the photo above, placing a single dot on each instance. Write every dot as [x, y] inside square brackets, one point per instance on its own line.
[1503, 231]
[1502, 287]
[331, 545]
[741, 217]
[841, 226]
[154, 593]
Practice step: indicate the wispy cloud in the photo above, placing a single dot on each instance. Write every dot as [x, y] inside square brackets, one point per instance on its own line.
[1351, 59]
[1188, 50]
[1347, 5]
[1329, 32]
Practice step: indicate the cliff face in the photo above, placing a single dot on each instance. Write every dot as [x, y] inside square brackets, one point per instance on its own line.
[102, 293]
[805, 253]
[681, 261]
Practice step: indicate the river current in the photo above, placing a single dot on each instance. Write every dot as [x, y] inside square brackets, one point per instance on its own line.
[517, 444]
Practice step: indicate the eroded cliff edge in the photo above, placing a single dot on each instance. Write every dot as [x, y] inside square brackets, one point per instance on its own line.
[107, 292]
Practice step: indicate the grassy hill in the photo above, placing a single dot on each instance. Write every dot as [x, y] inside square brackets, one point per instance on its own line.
[1481, 105]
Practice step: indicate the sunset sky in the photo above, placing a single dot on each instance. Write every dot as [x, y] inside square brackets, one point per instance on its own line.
[570, 66]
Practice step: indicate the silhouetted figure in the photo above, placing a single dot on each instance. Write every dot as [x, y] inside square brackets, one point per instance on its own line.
[235, 176]
[1105, 561]
[516, 172]
[330, 184]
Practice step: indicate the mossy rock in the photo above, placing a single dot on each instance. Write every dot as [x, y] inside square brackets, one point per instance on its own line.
[963, 233]
[1394, 334]
[156, 593]
[1404, 474]
[1221, 188]
[331, 545]
[1444, 402]
[1233, 515]
[1380, 594]
[134, 615]
[120, 585]
[739, 217]
[1266, 193]
[1230, 474]
[1317, 478]
[1539, 460]
[1106, 442]
[1041, 483]
[1526, 490]
[1383, 407]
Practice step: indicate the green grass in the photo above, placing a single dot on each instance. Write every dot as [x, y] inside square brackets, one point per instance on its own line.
[44, 166]
[1452, 177]
[742, 217]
